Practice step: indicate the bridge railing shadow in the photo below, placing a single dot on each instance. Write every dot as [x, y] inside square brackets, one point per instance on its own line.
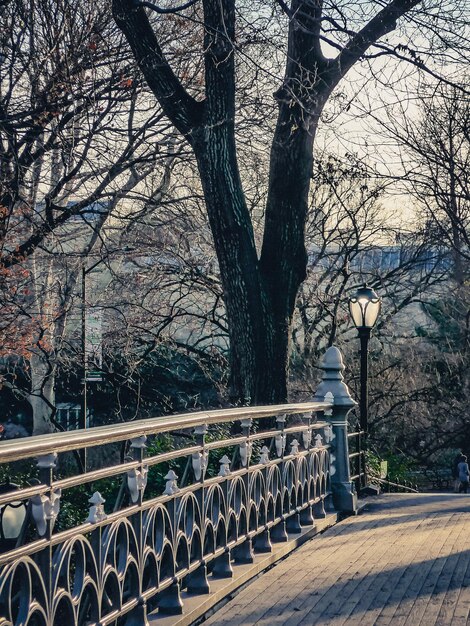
[406, 582]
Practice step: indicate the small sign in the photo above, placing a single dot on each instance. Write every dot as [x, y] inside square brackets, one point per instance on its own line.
[94, 377]
[94, 337]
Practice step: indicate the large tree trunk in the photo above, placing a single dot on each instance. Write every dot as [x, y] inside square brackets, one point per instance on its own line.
[42, 396]
[284, 259]
[234, 243]
[248, 310]
[259, 294]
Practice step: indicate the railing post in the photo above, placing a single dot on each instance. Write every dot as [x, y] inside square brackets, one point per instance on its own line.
[279, 532]
[243, 553]
[197, 581]
[306, 515]
[44, 510]
[344, 496]
[136, 484]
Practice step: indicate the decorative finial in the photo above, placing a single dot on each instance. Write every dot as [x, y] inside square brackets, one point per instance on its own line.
[199, 461]
[264, 458]
[328, 433]
[294, 447]
[307, 438]
[139, 443]
[245, 452]
[171, 486]
[224, 466]
[332, 380]
[45, 508]
[96, 513]
[137, 482]
[329, 399]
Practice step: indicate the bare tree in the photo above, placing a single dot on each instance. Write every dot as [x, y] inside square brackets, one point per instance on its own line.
[353, 239]
[260, 289]
[434, 151]
[78, 137]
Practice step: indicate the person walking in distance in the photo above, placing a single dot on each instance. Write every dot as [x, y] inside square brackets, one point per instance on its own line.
[463, 475]
[455, 470]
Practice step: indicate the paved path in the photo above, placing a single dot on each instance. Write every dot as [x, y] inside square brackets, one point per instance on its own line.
[405, 561]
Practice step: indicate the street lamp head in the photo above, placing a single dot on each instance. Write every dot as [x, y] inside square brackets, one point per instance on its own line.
[364, 307]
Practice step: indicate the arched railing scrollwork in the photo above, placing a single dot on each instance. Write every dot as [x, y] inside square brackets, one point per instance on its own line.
[245, 487]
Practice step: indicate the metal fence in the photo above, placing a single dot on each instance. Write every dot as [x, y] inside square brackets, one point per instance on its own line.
[357, 459]
[240, 488]
[359, 471]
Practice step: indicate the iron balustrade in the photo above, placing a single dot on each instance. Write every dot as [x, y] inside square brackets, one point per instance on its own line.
[357, 460]
[113, 567]
[359, 475]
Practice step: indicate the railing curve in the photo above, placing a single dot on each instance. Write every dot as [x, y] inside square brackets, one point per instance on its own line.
[220, 490]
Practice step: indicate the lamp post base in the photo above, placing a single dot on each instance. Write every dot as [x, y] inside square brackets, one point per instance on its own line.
[344, 498]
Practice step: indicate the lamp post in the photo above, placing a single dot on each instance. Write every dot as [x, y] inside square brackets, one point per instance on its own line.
[95, 375]
[85, 352]
[364, 307]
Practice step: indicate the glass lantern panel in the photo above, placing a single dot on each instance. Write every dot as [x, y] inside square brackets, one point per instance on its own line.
[356, 313]
[371, 313]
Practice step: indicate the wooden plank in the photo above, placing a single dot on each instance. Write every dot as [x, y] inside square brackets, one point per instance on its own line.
[402, 563]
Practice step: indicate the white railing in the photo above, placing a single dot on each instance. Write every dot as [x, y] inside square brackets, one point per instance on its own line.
[240, 492]
[169, 503]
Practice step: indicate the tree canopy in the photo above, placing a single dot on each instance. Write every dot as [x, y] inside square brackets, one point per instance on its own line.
[318, 43]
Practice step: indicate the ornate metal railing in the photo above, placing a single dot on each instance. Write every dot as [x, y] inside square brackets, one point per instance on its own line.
[357, 459]
[243, 486]
[359, 473]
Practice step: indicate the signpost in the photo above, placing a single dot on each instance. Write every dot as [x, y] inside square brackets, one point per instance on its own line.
[94, 344]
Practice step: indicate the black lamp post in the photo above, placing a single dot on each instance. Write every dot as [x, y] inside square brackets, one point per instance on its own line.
[94, 376]
[364, 307]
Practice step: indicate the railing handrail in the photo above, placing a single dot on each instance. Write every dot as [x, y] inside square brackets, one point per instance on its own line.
[39, 445]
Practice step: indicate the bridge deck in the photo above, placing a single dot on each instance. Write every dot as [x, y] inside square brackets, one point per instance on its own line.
[405, 561]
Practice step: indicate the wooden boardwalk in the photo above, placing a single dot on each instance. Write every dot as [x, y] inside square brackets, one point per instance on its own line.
[405, 561]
